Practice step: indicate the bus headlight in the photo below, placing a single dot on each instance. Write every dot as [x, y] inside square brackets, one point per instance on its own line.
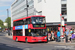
[45, 37]
[31, 37]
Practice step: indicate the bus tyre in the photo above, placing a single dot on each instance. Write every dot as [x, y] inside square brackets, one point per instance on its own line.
[26, 40]
[46, 42]
[16, 40]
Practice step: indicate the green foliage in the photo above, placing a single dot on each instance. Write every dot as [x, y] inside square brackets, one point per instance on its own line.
[8, 20]
[1, 24]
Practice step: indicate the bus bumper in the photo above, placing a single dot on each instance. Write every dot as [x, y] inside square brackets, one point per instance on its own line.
[38, 40]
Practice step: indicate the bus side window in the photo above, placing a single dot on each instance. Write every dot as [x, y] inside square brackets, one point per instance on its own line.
[18, 32]
[14, 33]
[27, 33]
[27, 21]
[20, 22]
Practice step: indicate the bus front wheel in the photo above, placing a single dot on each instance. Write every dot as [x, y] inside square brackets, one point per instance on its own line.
[46, 42]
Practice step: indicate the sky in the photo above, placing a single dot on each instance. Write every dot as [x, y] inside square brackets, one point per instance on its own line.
[4, 5]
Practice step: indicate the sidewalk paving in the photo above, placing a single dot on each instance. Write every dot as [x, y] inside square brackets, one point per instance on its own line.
[8, 36]
[61, 43]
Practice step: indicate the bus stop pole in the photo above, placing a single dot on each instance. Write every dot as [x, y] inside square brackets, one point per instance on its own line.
[61, 30]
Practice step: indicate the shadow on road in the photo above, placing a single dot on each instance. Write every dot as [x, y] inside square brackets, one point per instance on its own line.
[5, 47]
[60, 49]
[33, 42]
[37, 43]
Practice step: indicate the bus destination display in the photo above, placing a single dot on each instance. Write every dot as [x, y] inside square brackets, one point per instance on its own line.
[38, 25]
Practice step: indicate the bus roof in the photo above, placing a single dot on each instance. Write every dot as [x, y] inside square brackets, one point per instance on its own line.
[29, 17]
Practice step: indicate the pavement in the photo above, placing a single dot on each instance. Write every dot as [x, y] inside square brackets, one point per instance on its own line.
[50, 42]
[8, 36]
[61, 43]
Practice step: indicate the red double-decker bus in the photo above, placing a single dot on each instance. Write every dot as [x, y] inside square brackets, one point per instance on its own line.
[30, 29]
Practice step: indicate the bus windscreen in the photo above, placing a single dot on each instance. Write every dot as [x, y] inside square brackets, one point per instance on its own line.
[38, 20]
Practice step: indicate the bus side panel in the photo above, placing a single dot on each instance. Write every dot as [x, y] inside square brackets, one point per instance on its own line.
[37, 39]
[29, 38]
[30, 26]
[21, 38]
[14, 37]
[14, 28]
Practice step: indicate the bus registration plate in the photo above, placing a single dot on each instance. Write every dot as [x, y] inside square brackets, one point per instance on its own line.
[39, 40]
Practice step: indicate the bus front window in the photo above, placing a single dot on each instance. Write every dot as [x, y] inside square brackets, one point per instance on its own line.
[38, 20]
[38, 32]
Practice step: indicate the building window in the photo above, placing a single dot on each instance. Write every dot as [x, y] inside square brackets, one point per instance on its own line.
[64, 12]
[63, 0]
[39, 1]
[63, 9]
[65, 20]
[17, 3]
[63, 5]
[21, 9]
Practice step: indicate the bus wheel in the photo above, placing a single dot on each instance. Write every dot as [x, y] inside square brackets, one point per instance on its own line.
[26, 40]
[46, 42]
[16, 40]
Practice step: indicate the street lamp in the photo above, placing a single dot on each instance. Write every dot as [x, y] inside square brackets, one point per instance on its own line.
[7, 17]
[27, 7]
[8, 21]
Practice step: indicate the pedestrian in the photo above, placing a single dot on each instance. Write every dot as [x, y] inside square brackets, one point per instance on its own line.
[52, 35]
[8, 32]
[49, 35]
[69, 36]
[71, 31]
[66, 35]
[55, 35]
[58, 36]
[73, 37]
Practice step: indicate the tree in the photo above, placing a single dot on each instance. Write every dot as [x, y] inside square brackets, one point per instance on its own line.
[1, 24]
[8, 20]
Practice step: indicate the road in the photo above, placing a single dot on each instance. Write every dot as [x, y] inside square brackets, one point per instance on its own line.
[8, 44]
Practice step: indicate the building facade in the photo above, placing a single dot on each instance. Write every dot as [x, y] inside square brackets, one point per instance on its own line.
[19, 9]
[49, 8]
